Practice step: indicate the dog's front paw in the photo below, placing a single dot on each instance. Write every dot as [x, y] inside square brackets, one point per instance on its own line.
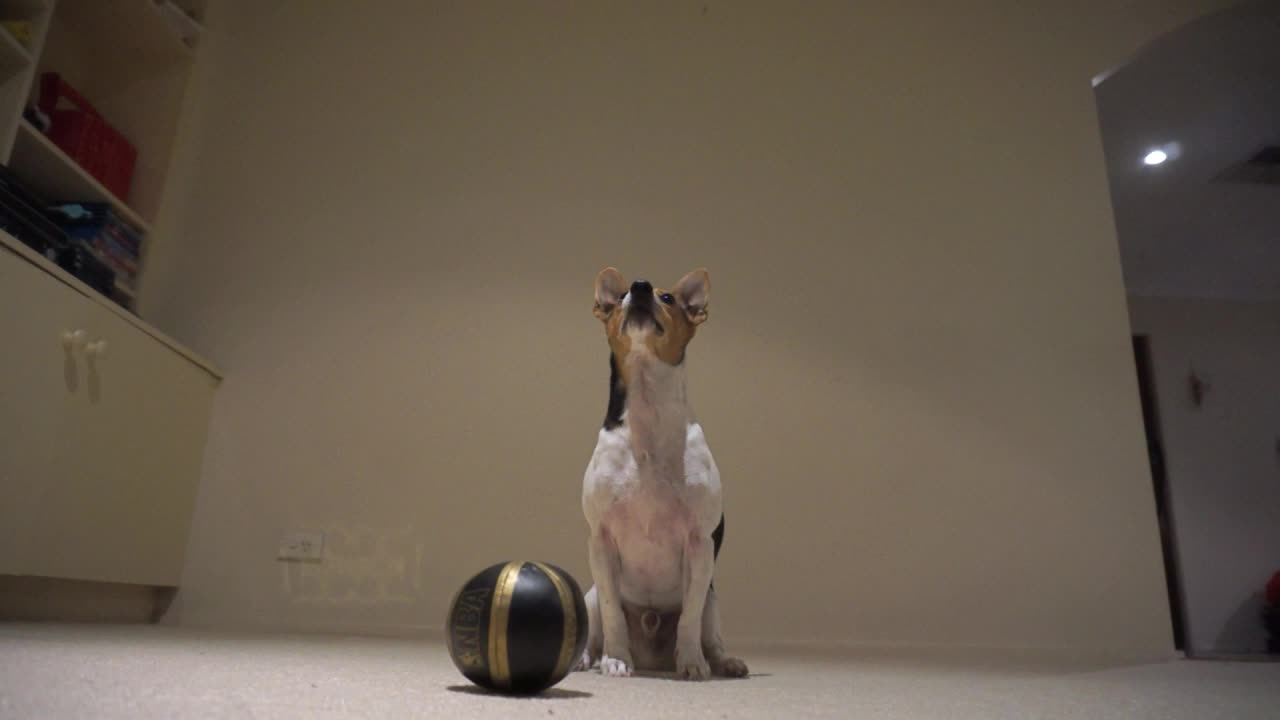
[586, 662]
[692, 666]
[615, 667]
[730, 667]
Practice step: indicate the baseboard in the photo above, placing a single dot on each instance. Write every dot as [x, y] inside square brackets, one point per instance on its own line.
[27, 598]
[944, 652]
[301, 627]
[1260, 656]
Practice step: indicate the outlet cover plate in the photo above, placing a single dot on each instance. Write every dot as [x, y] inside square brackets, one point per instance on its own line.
[301, 547]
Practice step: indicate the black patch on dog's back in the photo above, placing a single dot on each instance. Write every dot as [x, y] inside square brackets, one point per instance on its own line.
[717, 536]
[617, 396]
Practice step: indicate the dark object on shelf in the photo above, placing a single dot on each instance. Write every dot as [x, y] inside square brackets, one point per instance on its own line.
[22, 216]
[37, 119]
[86, 137]
[113, 240]
[81, 262]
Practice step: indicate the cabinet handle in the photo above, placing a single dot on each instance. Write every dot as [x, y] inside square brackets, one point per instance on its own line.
[74, 339]
[96, 349]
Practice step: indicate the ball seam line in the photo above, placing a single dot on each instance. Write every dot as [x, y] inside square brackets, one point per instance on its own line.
[569, 612]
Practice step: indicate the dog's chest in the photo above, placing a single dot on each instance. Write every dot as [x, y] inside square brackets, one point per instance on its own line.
[618, 483]
[650, 510]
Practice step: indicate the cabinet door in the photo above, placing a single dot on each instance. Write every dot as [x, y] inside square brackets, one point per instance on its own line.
[136, 438]
[40, 383]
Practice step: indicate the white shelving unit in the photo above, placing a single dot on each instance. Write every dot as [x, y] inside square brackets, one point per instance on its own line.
[126, 57]
[100, 486]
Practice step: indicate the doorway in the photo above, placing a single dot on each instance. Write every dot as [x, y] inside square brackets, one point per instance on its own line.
[1160, 484]
[1188, 126]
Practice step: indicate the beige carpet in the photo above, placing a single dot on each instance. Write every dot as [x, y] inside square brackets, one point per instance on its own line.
[51, 671]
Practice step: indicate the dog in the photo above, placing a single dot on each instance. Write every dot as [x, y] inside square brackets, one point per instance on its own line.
[651, 494]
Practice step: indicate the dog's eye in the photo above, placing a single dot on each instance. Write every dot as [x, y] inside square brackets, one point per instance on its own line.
[666, 298]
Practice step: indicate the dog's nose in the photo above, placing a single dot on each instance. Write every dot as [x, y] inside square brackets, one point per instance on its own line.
[641, 291]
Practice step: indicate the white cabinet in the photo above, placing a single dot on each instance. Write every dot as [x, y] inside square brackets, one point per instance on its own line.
[102, 429]
[37, 393]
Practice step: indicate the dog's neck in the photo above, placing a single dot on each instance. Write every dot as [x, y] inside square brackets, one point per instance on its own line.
[654, 410]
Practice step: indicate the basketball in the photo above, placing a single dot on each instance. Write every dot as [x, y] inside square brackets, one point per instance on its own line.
[517, 627]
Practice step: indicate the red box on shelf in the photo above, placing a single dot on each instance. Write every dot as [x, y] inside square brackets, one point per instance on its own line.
[86, 137]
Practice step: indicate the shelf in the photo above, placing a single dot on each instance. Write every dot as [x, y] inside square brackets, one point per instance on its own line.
[13, 56]
[53, 174]
[186, 27]
[124, 28]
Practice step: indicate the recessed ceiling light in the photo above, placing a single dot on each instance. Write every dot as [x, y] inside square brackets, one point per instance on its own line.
[1155, 157]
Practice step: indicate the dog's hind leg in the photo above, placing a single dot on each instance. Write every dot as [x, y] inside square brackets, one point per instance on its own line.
[595, 634]
[713, 646]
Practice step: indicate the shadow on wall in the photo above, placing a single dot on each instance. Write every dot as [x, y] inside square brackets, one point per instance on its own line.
[1240, 632]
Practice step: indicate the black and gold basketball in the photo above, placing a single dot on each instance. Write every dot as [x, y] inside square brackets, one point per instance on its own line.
[517, 627]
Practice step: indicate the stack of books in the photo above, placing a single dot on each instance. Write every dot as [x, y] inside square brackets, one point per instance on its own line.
[107, 236]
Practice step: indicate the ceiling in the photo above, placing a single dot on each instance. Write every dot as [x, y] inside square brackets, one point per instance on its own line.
[1210, 94]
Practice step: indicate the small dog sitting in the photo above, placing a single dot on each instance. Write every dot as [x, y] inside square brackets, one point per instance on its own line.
[651, 494]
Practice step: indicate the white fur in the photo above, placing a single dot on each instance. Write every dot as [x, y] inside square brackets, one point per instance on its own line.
[651, 495]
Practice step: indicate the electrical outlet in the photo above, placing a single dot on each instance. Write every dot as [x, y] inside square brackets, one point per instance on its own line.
[301, 547]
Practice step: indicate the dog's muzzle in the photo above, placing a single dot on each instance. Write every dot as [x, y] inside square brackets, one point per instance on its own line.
[640, 307]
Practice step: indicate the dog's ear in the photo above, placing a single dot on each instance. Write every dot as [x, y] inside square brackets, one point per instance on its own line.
[610, 287]
[694, 291]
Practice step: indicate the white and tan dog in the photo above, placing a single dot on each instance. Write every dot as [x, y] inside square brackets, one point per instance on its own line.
[651, 494]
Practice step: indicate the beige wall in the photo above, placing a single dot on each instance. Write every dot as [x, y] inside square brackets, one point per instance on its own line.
[1222, 458]
[916, 377]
